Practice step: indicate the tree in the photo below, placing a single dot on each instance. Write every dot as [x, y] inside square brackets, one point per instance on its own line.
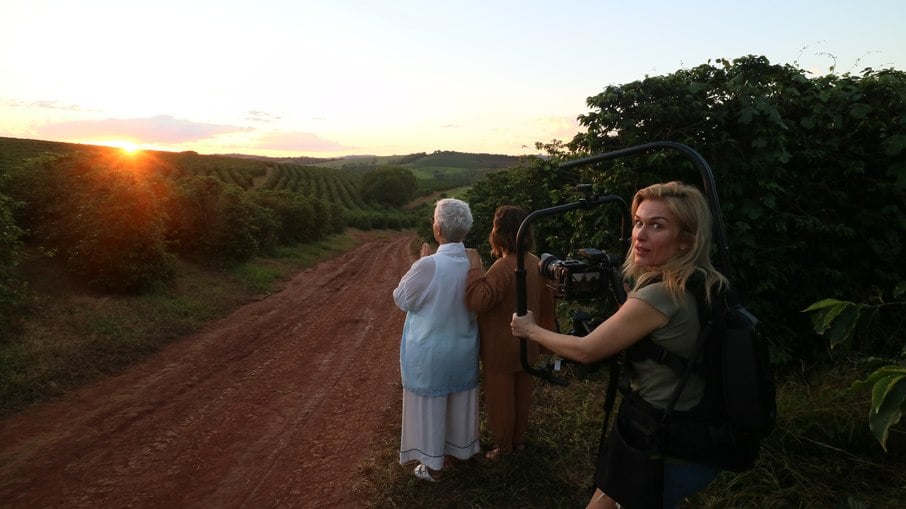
[391, 185]
[810, 175]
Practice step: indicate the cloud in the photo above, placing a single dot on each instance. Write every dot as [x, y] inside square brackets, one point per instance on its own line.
[298, 141]
[159, 129]
[44, 105]
[261, 116]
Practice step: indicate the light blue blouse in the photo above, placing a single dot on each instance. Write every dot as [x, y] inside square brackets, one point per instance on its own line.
[439, 347]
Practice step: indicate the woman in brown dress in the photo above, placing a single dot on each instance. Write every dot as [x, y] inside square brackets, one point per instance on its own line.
[492, 294]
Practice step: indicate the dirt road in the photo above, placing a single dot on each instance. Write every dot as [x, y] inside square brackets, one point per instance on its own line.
[275, 405]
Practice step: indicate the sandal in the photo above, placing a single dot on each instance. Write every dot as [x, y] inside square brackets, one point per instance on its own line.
[423, 473]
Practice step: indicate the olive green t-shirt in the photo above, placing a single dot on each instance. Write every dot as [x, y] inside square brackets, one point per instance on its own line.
[653, 381]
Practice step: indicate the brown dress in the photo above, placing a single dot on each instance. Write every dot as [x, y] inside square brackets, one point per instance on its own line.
[507, 388]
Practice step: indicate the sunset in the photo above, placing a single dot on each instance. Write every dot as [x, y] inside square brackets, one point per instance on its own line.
[339, 78]
[479, 254]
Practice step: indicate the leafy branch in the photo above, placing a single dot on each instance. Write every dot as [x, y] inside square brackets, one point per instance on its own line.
[841, 322]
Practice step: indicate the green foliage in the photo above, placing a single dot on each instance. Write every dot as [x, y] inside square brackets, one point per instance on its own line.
[451, 159]
[380, 220]
[11, 287]
[850, 324]
[786, 150]
[528, 186]
[209, 209]
[390, 185]
[888, 399]
[14, 152]
[103, 216]
[810, 173]
[329, 185]
[297, 216]
[215, 221]
[861, 327]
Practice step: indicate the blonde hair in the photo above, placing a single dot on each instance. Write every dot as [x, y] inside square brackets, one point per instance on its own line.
[690, 210]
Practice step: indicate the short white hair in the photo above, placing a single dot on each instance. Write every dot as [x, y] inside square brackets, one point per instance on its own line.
[454, 218]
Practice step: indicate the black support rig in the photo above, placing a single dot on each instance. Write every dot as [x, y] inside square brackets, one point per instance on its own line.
[587, 202]
[710, 192]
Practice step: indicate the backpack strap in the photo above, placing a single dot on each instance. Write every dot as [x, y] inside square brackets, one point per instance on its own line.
[647, 349]
[683, 367]
[619, 376]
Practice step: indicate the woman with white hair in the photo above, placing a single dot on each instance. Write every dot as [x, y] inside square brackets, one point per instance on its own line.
[439, 349]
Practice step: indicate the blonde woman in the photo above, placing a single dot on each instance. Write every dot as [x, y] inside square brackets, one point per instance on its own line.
[671, 242]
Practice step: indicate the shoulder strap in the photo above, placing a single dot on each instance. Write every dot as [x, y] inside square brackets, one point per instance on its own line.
[647, 349]
[682, 366]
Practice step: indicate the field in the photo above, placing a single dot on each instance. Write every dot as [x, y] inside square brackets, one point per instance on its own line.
[211, 390]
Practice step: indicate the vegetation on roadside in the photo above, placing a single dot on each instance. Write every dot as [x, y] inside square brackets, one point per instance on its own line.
[71, 335]
[820, 455]
[105, 255]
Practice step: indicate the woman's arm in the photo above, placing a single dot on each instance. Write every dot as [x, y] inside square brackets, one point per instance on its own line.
[484, 290]
[411, 292]
[633, 321]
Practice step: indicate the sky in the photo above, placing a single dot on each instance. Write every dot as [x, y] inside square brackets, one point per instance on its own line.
[331, 78]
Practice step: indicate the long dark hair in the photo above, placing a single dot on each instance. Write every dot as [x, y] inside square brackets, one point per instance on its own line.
[502, 238]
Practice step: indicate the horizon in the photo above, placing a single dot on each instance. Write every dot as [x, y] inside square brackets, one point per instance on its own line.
[131, 148]
[302, 79]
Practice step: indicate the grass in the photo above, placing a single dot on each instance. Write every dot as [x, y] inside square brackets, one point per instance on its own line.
[71, 336]
[821, 455]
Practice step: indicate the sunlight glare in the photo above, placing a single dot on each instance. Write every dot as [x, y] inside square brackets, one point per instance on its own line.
[128, 147]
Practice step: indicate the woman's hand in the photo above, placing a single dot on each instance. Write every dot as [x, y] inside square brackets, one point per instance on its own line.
[522, 325]
[426, 250]
[474, 258]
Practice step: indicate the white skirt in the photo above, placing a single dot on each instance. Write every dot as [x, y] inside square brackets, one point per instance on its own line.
[435, 427]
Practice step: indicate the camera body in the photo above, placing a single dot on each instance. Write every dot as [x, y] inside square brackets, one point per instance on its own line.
[579, 279]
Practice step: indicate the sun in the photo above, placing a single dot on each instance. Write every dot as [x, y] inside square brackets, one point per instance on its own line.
[127, 146]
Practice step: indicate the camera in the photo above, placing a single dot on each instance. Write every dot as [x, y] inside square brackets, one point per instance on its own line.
[574, 279]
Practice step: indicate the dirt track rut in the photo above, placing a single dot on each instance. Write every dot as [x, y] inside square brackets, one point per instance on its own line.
[276, 405]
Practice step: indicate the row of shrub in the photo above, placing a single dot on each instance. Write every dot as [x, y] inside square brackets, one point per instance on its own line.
[118, 224]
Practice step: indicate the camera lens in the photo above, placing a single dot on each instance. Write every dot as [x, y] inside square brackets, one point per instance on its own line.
[545, 265]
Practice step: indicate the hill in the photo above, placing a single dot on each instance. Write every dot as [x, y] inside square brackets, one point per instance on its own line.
[439, 164]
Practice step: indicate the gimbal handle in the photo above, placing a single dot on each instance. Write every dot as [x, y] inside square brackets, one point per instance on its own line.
[521, 298]
[710, 194]
[710, 188]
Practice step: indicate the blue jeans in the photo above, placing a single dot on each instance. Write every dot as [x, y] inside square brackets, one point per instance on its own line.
[682, 479]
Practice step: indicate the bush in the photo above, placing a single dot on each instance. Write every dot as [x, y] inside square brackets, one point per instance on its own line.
[104, 217]
[215, 222]
[809, 172]
[390, 185]
[11, 288]
[294, 214]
